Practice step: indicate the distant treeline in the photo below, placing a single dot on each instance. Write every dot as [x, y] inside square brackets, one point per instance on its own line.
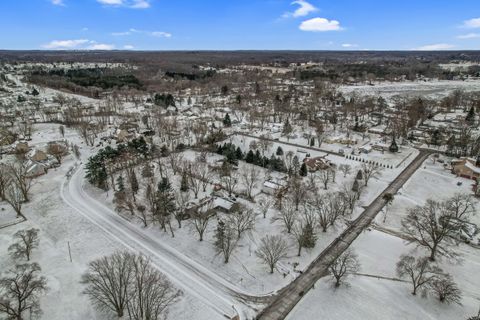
[91, 77]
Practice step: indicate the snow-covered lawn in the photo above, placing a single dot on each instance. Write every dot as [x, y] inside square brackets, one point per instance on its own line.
[375, 298]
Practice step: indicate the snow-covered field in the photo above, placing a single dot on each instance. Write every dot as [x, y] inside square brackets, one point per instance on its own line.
[431, 89]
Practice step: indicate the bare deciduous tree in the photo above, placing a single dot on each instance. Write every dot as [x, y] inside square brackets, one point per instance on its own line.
[181, 200]
[200, 219]
[241, 219]
[370, 170]
[18, 174]
[226, 240]
[347, 263]
[345, 169]
[325, 177]
[265, 204]
[287, 215]
[107, 282]
[14, 197]
[250, 178]
[4, 181]
[20, 291]
[420, 271]
[435, 224]
[271, 250]
[25, 242]
[446, 289]
[150, 292]
[230, 182]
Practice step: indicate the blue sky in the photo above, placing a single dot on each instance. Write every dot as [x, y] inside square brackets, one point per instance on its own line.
[240, 24]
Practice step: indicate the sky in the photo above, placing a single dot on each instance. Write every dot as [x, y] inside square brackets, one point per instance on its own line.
[240, 24]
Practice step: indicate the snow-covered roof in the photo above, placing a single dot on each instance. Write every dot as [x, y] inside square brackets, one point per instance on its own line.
[472, 167]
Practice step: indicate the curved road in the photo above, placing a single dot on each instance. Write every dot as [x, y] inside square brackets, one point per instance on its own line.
[288, 297]
[222, 296]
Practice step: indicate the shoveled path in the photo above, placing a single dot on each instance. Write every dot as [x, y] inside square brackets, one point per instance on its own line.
[289, 296]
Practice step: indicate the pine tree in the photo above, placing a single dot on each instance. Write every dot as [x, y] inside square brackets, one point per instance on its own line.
[279, 151]
[287, 128]
[471, 115]
[303, 170]
[239, 153]
[312, 142]
[120, 184]
[393, 147]
[227, 122]
[250, 158]
[165, 203]
[359, 175]
[184, 182]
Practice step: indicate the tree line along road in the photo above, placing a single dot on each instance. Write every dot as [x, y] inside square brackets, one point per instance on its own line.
[288, 297]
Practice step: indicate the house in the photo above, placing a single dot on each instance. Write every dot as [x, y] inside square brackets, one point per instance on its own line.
[467, 167]
[272, 187]
[223, 204]
[37, 155]
[317, 163]
[35, 169]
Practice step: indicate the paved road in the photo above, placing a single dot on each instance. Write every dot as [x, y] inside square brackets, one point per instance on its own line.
[289, 296]
[226, 299]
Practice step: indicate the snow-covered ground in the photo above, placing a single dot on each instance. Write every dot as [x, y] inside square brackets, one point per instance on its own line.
[431, 89]
[373, 297]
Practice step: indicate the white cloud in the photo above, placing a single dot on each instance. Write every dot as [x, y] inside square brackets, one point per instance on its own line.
[128, 47]
[141, 4]
[58, 2]
[134, 4]
[79, 44]
[472, 23]
[320, 25]
[305, 9]
[161, 34]
[469, 36]
[158, 34]
[435, 47]
[101, 46]
[65, 44]
[349, 45]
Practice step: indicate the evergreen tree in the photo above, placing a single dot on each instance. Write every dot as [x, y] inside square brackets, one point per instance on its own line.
[279, 151]
[165, 203]
[471, 116]
[239, 154]
[312, 142]
[184, 182]
[393, 147]
[227, 122]
[250, 158]
[35, 92]
[303, 170]
[359, 175]
[224, 90]
[120, 184]
[287, 128]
